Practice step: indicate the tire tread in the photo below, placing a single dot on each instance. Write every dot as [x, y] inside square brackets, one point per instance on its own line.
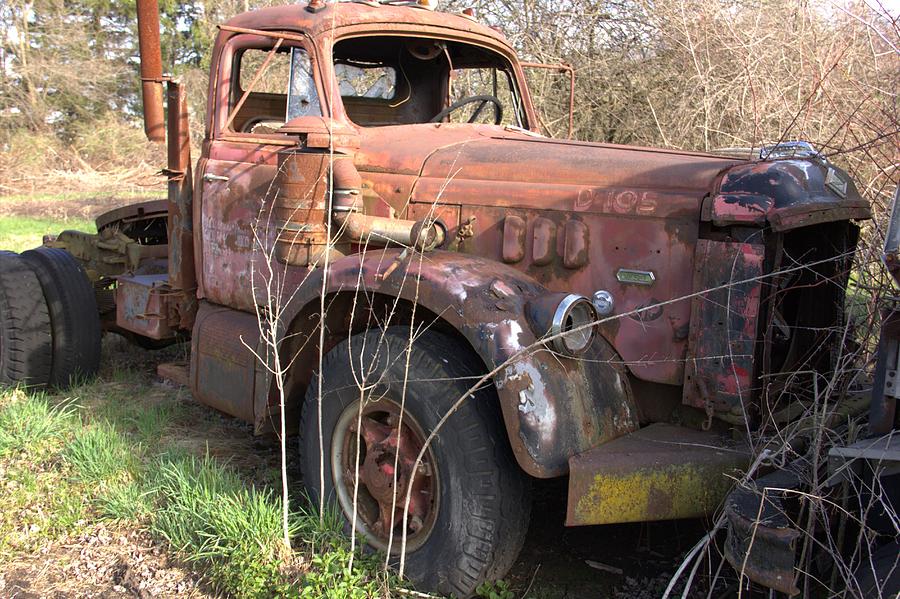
[495, 535]
[27, 350]
[74, 317]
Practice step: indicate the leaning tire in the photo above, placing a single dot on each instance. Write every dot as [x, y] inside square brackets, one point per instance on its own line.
[74, 317]
[471, 505]
[25, 342]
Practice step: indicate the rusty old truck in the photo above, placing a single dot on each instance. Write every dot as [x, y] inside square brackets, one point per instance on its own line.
[461, 303]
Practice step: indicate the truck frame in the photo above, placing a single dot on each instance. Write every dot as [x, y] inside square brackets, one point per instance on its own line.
[461, 303]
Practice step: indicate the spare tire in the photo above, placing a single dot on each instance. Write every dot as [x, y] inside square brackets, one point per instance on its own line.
[26, 345]
[74, 317]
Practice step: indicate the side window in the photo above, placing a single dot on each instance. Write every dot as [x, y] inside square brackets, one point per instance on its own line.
[366, 81]
[272, 87]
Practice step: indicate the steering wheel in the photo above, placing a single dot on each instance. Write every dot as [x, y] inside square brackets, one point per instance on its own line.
[485, 99]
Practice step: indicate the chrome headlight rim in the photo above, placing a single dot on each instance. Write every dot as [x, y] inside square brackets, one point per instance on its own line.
[561, 324]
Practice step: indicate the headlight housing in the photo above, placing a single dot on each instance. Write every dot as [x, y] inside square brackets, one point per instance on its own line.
[570, 328]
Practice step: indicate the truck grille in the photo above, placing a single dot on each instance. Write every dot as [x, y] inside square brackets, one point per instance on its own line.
[803, 329]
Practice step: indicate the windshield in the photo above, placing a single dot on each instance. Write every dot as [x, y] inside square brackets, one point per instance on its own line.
[394, 80]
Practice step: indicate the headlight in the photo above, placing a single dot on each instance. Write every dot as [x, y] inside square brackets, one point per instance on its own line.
[574, 313]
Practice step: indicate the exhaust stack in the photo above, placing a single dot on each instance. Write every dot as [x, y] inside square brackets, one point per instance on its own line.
[151, 69]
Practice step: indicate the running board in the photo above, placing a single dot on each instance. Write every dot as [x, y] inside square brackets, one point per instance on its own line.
[660, 472]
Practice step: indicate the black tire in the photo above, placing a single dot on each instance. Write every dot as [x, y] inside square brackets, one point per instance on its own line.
[26, 345]
[885, 565]
[484, 503]
[74, 317]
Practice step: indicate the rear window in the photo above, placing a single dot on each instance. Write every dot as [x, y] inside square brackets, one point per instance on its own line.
[366, 80]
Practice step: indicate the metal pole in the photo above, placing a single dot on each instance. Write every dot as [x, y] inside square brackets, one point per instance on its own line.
[151, 69]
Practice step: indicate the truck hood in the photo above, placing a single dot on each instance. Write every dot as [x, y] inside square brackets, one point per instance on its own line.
[490, 153]
[508, 167]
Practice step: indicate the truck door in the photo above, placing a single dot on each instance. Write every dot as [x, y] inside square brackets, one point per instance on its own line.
[262, 81]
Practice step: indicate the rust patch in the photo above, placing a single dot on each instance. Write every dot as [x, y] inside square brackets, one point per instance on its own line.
[724, 327]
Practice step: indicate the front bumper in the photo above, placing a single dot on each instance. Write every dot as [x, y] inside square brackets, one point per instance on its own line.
[660, 472]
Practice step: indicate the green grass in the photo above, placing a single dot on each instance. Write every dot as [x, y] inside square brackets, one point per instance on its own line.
[29, 422]
[99, 454]
[19, 233]
[112, 450]
[208, 515]
[40, 502]
[125, 501]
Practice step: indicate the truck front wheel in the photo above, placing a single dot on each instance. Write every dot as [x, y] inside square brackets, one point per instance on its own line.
[469, 506]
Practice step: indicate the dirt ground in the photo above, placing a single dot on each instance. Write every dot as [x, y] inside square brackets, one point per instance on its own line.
[105, 563]
[625, 561]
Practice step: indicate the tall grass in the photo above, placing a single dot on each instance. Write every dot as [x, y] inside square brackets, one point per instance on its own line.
[208, 515]
[99, 454]
[29, 421]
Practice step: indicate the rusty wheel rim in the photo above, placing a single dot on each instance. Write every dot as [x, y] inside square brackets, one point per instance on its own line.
[372, 435]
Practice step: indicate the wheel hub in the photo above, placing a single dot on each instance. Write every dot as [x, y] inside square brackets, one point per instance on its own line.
[384, 447]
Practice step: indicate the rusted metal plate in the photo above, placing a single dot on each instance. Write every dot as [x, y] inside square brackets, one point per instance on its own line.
[231, 209]
[785, 194]
[660, 472]
[142, 305]
[723, 329]
[223, 368]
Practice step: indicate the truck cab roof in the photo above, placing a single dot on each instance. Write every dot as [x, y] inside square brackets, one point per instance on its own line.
[386, 18]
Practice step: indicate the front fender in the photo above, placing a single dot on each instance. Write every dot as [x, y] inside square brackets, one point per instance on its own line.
[553, 406]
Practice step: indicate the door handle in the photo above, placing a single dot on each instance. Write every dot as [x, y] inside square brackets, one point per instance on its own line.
[211, 177]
